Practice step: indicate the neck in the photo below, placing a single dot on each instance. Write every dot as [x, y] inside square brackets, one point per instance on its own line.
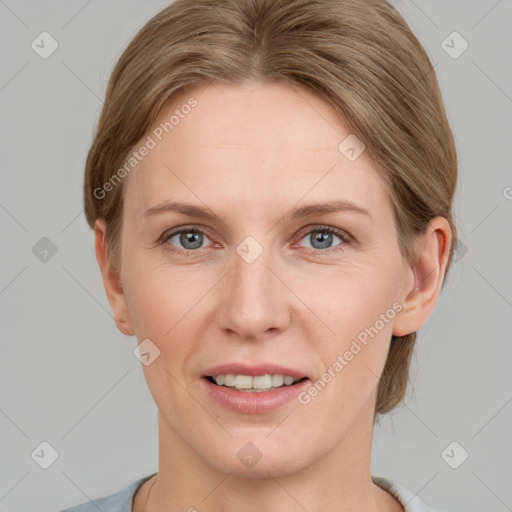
[186, 482]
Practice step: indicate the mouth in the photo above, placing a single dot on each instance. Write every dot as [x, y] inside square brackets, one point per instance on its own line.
[254, 383]
[255, 389]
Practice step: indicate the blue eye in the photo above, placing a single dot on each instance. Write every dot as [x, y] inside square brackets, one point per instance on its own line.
[323, 237]
[190, 239]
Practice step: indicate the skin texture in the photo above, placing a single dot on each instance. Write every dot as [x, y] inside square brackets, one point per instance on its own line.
[250, 154]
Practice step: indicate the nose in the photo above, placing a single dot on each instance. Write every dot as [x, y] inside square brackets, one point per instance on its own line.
[256, 301]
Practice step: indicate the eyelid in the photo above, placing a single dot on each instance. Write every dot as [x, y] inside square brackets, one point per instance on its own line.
[341, 233]
[179, 229]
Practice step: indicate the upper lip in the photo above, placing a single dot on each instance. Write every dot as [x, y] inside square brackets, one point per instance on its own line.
[253, 370]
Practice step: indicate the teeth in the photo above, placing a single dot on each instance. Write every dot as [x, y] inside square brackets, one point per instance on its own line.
[262, 382]
[256, 383]
[277, 381]
[229, 380]
[243, 382]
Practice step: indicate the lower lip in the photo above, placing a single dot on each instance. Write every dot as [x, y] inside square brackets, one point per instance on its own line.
[252, 402]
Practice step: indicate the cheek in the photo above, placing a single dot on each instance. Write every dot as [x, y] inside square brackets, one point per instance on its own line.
[167, 307]
[159, 296]
[357, 311]
[347, 301]
[164, 306]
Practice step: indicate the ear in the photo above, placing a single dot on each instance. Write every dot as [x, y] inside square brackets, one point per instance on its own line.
[433, 251]
[112, 281]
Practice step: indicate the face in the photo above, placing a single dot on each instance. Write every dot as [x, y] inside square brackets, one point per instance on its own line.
[262, 284]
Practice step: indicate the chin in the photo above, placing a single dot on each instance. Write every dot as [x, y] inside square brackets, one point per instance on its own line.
[258, 456]
[275, 465]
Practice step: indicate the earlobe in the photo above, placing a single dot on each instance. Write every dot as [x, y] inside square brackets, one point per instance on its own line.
[433, 250]
[125, 326]
[112, 281]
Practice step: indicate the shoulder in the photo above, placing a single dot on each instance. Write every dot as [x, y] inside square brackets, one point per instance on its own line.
[121, 501]
[408, 499]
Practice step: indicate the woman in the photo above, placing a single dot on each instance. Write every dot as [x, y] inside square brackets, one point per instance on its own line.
[270, 188]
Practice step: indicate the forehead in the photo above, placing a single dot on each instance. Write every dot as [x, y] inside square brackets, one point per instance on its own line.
[259, 141]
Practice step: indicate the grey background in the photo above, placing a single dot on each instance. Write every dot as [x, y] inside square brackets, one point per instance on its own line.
[69, 378]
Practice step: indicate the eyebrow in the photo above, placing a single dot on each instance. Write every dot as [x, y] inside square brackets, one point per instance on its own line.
[308, 210]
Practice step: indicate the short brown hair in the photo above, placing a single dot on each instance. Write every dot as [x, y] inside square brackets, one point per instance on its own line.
[360, 56]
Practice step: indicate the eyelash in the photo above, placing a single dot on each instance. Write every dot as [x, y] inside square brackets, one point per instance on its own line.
[345, 238]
